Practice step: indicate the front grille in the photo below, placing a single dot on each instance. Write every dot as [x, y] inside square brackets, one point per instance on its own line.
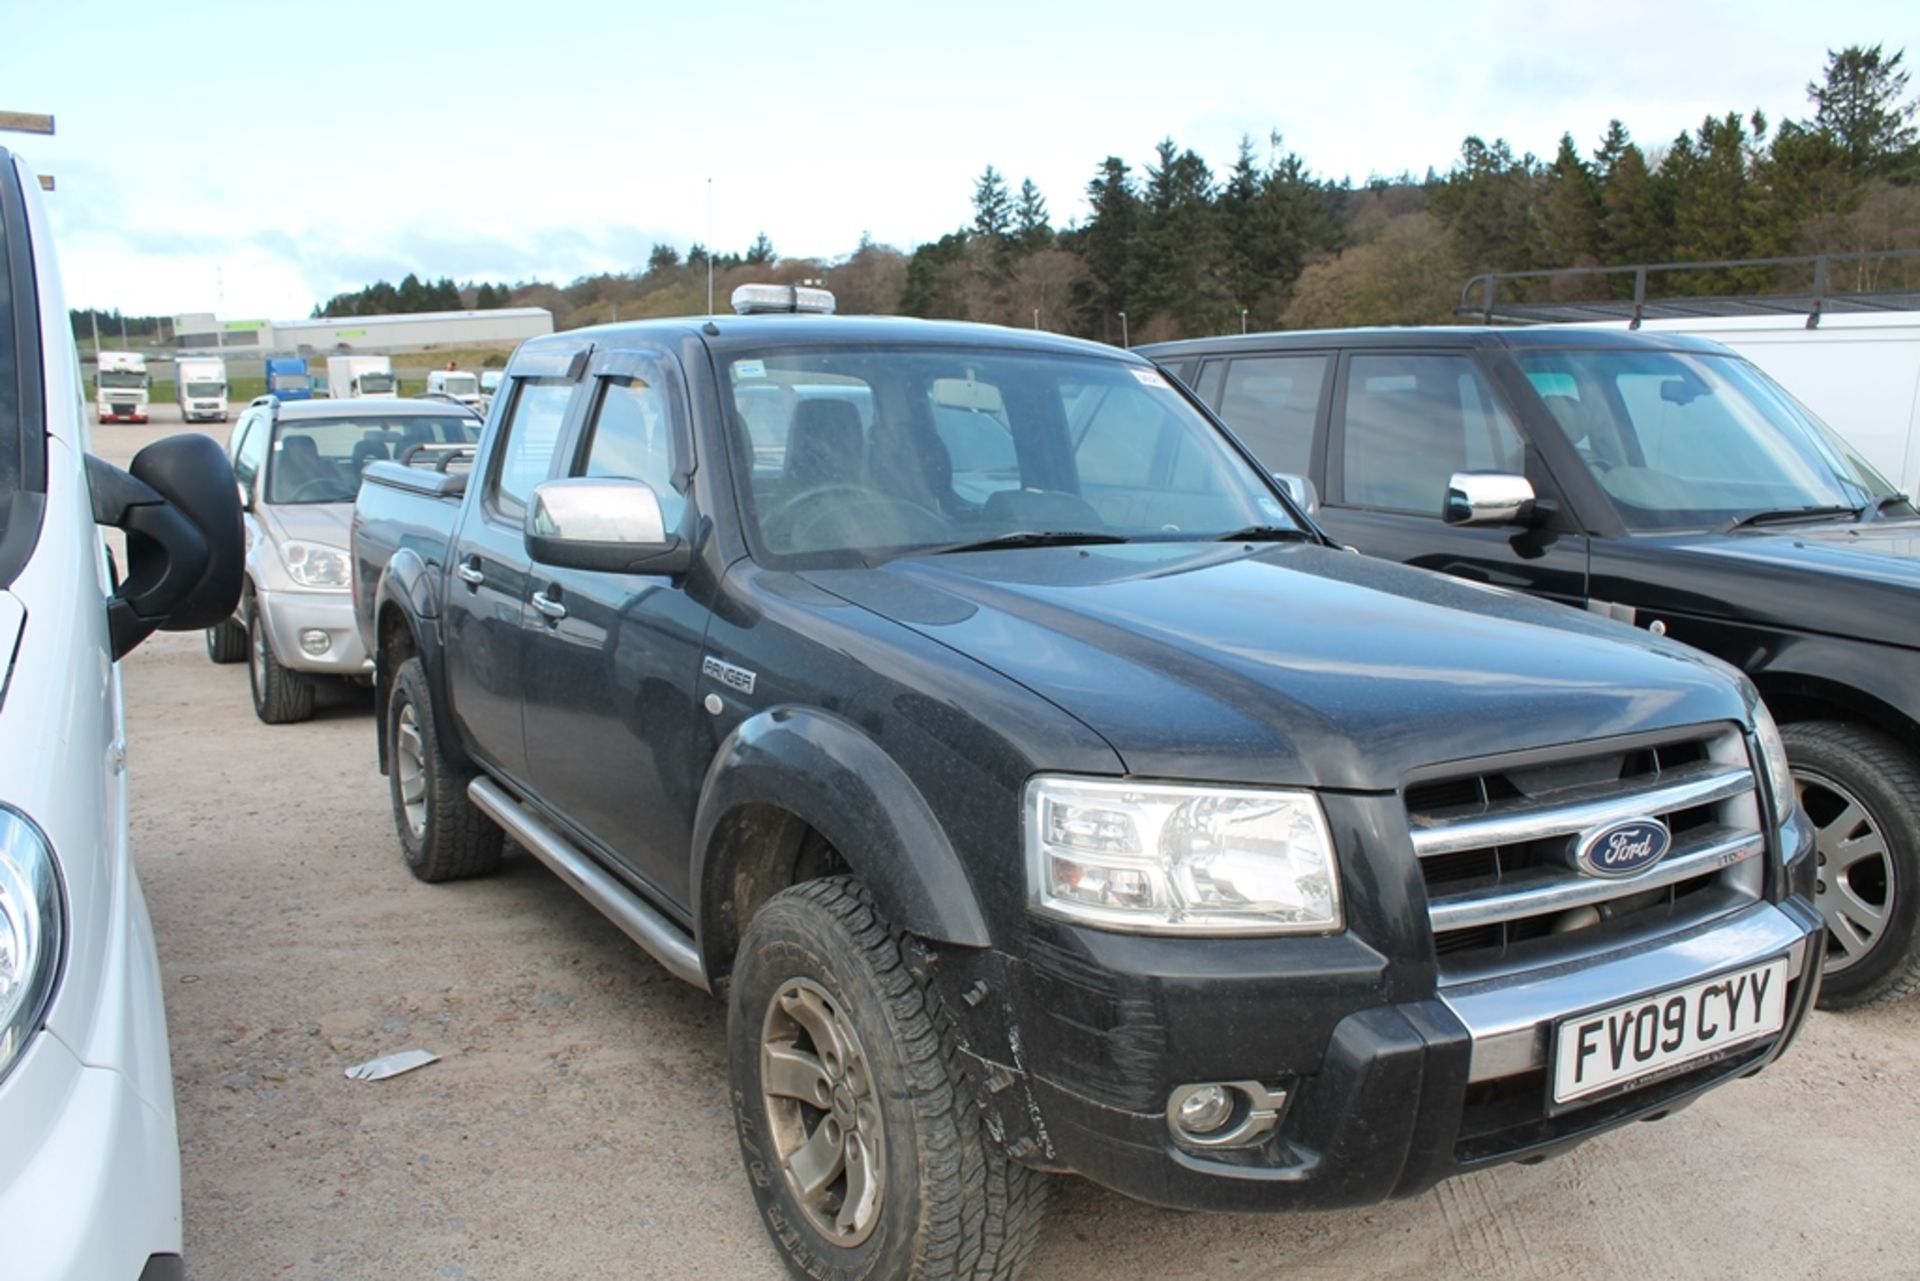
[1496, 847]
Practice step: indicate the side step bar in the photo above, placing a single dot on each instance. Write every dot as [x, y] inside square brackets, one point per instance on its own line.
[666, 942]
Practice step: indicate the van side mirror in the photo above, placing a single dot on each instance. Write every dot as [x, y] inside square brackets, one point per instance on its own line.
[1488, 498]
[1300, 490]
[178, 505]
[610, 526]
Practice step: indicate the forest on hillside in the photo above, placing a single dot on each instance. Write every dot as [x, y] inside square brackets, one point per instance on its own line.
[1179, 249]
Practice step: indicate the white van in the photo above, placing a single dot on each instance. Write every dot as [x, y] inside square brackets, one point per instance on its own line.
[1858, 371]
[461, 384]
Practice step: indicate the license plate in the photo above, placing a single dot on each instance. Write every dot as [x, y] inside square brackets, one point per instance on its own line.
[1635, 1041]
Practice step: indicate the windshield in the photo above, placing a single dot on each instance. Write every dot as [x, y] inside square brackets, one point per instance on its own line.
[206, 389]
[319, 460]
[461, 385]
[288, 382]
[1683, 440]
[121, 378]
[376, 384]
[871, 452]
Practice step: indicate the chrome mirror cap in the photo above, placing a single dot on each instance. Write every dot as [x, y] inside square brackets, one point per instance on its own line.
[589, 523]
[1300, 490]
[1488, 498]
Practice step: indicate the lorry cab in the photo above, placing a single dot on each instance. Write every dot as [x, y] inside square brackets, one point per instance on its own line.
[200, 387]
[122, 387]
[462, 385]
[288, 379]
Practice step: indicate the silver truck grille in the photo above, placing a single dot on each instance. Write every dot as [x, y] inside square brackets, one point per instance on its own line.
[1495, 847]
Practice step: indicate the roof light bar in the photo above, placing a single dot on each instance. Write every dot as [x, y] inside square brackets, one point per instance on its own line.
[757, 300]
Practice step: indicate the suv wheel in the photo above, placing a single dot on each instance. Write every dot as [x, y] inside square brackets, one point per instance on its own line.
[443, 835]
[866, 1153]
[227, 641]
[1862, 792]
[280, 697]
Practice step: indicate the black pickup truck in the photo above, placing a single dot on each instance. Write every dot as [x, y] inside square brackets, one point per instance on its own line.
[1659, 479]
[1043, 791]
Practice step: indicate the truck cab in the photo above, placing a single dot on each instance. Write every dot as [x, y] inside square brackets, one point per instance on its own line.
[200, 385]
[462, 385]
[288, 379]
[121, 387]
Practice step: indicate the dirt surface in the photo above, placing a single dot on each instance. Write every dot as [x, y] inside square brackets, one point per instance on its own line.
[576, 1125]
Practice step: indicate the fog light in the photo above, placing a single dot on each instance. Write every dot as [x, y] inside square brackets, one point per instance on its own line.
[1204, 1110]
[315, 641]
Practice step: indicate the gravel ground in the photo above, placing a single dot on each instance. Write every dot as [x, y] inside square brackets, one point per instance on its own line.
[576, 1125]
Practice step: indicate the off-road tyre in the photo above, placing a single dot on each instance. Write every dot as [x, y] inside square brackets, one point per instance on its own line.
[227, 641]
[953, 1204]
[1833, 762]
[280, 696]
[444, 836]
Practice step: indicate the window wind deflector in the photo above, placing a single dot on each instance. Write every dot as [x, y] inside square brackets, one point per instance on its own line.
[1788, 516]
[1028, 538]
[1887, 504]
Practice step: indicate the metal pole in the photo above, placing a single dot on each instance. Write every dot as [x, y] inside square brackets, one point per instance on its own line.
[93, 315]
[1036, 318]
[709, 247]
[124, 342]
[1243, 320]
[1123, 330]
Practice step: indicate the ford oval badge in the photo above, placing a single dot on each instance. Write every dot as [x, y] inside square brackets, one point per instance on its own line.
[1624, 848]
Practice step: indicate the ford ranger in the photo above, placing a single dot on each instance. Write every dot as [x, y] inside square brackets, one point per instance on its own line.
[1043, 791]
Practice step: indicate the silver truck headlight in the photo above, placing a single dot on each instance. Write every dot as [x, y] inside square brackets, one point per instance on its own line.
[1177, 858]
[317, 565]
[31, 923]
[1773, 758]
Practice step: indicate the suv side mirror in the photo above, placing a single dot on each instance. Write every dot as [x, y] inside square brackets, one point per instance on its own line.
[1488, 498]
[612, 526]
[1300, 490]
[179, 506]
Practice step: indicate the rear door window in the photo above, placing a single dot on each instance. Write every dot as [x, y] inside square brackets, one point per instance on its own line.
[1272, 402]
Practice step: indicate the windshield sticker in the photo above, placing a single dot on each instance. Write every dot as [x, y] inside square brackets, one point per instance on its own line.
[1150, 378]
[749, 369]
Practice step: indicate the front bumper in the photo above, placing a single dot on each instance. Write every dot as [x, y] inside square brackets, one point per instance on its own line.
[286, 614]
[89, 1172]
[1390, 1087]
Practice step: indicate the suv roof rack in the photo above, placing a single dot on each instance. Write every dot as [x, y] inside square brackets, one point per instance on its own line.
[1808, 285]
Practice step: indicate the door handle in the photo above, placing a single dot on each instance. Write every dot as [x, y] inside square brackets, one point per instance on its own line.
[469, 574]
[549, 606]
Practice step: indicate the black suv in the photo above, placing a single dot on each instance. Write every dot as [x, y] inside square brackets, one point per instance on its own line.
[1654, 478]
[1044, 792]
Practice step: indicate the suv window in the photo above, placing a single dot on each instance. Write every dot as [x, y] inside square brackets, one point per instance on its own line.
[631, 438]
[1271, 403]
[1411, 421]
[250, 448]
[532, 430]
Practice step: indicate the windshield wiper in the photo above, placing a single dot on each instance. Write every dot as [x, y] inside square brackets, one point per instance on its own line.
[1028, 538]
[1266, 534]
[1786, 515]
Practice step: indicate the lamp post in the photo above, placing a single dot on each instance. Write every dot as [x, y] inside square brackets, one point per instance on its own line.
[1243, 320]
[1123, 330]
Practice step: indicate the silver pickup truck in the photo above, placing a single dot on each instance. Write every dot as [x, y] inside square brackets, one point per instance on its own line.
[298, 464]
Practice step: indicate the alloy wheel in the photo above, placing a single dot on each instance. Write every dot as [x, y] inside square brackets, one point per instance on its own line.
[410, 763]
[1855, 872]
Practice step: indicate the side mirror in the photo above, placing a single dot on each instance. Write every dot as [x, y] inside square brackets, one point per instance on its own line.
[1488, 498]
[612, 526]
[1300, 490]
[177, 503]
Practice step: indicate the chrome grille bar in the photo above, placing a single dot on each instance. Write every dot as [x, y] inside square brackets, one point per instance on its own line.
[1516, 822]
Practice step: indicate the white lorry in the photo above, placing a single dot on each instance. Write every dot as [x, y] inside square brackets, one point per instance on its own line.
[1859, 372]
[121, 387]
[200, 385]
[461, 384]
[354, 376]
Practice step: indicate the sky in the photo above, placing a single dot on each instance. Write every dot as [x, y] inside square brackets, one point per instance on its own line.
[217, 157]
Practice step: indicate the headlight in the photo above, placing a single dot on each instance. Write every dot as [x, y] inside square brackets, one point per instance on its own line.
[1168, 858]
[30, 927]
[316, 565]
[1773, 758]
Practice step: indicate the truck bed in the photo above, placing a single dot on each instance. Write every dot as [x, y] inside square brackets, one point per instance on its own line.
[410, 505]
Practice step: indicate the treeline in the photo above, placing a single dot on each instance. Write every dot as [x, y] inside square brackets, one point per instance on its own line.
[413, 294]
[1174, 249]
[112, 324]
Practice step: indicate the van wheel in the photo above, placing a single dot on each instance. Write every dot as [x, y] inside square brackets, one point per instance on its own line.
[1862, 792]
[866, 1153]
[444, 836]
[280, 697]
[227, 641]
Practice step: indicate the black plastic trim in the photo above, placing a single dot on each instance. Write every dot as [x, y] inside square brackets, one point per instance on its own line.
[22, 386]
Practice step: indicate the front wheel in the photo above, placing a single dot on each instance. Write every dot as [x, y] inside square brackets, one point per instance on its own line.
[866, 1153]
[280, 697]
[1862, 792]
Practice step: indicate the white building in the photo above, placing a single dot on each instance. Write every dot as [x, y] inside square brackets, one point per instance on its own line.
[204, 332]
